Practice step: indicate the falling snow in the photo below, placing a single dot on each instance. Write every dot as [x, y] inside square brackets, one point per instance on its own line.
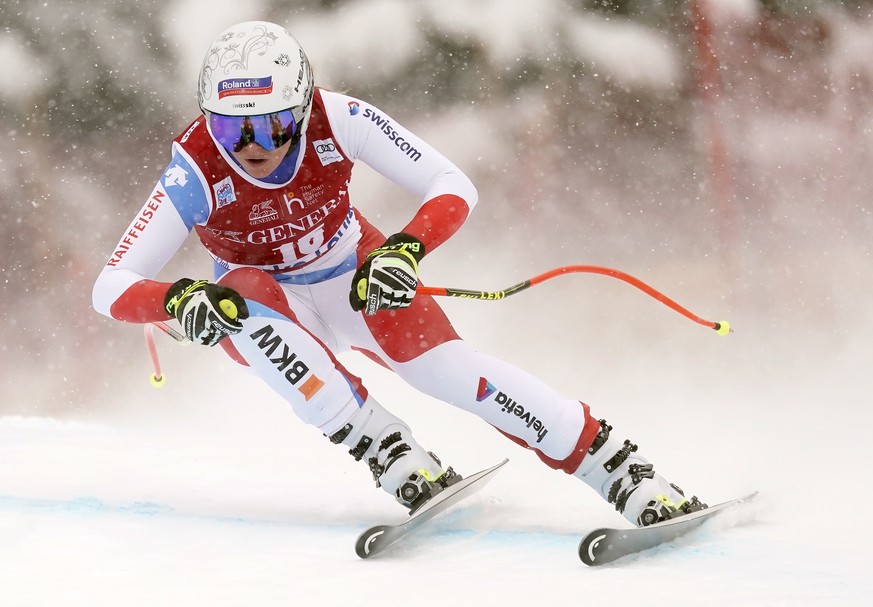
[715, 149]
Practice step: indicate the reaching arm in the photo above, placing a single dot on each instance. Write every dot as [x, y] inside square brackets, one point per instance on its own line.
[388, 278]
[126, 289]
[366, 133]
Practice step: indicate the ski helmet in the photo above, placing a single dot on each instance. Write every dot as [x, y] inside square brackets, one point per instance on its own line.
[257, 68]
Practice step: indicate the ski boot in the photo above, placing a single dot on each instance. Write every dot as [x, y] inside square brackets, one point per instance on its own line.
[398, 463]
[628, 481]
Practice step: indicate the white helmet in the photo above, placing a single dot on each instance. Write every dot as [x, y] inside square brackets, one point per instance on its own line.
[256, 68]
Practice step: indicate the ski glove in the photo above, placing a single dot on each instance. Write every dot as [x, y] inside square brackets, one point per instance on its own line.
[207, 312]
[388, 278]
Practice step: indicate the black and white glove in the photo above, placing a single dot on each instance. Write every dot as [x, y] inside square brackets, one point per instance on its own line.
[207, 312]
[388, 278]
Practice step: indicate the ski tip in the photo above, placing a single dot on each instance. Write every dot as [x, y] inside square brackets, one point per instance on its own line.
[589, 545]
[370, 542]
[605, 545]
[377, 539]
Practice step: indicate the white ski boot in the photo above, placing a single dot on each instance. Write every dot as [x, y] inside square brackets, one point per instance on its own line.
[624, 478]
[398, 463]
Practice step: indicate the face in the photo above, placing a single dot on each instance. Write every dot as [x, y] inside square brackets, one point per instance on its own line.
[259, 162]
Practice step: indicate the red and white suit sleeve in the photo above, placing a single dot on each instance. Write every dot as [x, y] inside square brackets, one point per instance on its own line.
[126, 289]
[367, 134]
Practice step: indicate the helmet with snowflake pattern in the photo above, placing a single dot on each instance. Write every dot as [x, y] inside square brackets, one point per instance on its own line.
[257, 68]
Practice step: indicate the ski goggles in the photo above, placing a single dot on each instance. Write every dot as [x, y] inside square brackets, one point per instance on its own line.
[270, 131]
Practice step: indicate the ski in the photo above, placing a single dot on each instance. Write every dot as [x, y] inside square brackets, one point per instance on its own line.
[606, 545]
[377, 539]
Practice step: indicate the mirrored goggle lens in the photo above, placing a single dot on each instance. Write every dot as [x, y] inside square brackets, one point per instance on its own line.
[270, 131]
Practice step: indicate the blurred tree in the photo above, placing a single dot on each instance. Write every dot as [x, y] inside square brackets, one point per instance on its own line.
[589, 108]
[68, 133]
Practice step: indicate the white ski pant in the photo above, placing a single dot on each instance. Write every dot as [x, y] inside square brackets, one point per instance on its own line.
[294, 332]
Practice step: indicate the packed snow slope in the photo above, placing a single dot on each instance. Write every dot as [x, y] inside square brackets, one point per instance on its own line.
[209, 492]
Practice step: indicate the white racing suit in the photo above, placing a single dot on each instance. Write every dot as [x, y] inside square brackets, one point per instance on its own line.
[290, 250]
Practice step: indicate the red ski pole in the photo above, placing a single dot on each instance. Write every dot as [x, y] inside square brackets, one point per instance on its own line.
[157, 378]
[722, 327]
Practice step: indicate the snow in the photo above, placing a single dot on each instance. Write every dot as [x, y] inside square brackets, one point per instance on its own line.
[29, 79]
[210, 494]
[630, 54]
[507, 33]
[190, 42]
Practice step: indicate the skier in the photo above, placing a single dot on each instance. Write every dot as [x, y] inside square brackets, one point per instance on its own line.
[262, 177]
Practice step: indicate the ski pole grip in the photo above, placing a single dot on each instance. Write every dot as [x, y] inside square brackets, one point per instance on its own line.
[229, 308]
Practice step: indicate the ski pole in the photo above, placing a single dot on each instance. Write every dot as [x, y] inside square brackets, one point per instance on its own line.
[170, 331]
[158, 379]
[722, 327]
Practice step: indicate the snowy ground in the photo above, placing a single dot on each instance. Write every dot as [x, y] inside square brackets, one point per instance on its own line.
[164, 498]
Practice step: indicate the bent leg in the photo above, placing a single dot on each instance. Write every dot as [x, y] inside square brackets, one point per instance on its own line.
[322, 393]
[521, 406]
[288, 358]
[560, 430]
